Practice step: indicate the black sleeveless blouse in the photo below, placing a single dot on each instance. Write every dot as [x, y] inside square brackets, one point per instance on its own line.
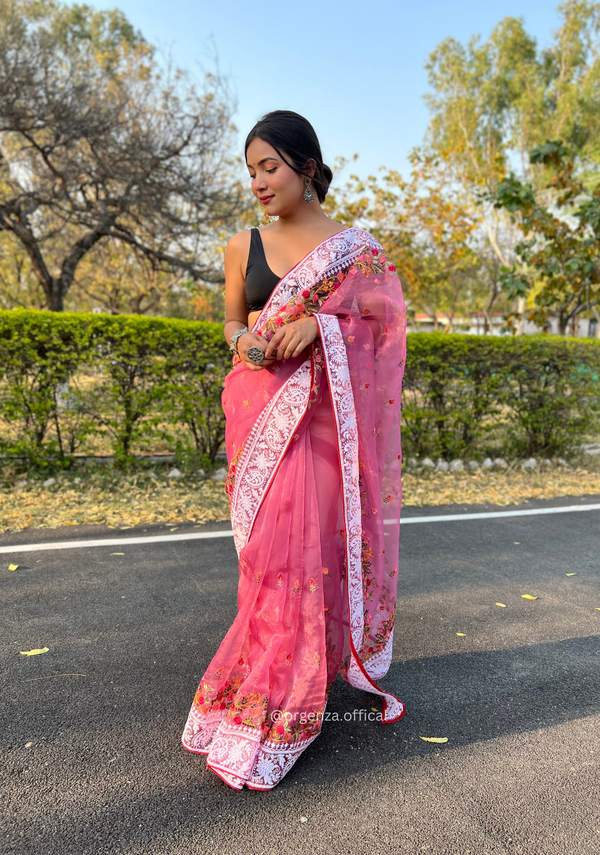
[260, 279]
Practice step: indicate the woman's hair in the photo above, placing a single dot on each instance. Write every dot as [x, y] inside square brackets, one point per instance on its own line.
[292, 133]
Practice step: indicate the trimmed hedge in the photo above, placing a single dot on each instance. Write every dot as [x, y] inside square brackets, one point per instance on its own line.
[525, 395]
[67, 380]
[130, 379]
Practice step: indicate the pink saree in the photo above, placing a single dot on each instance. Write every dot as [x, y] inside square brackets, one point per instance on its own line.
[313, 444]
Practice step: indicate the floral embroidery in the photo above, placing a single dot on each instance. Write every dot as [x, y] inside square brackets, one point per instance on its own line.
[327, 572]
[296, 588]
[382, 637]
[249, 710]
[368, 622]
[306, 303]
[318, 365]
[279, 580]
[365, 558]
[230, 480]
[317, 660]
[312, 586]
[291, 728]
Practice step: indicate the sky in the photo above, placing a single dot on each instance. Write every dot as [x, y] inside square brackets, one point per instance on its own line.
[354, 69]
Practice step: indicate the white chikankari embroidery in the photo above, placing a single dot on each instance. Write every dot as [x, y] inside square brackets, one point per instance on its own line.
[379, 664]
[274, 761]
[236, 753]
[342, 397]
[264, 448]
[335, 253]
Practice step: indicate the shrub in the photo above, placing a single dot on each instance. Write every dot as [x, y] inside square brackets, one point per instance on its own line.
[533, 395]
[66, 377]
[68, 380]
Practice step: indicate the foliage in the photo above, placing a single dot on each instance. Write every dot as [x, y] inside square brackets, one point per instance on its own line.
[67, 379]
[534, 395]
[559, 254]
[426, 230]
[493, 101]
[98, 142]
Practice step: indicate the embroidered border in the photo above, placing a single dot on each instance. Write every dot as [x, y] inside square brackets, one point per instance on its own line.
[264, 448]
[235, 752]
[329, 257]
[347, 431]
[274, 761]
[379, 664]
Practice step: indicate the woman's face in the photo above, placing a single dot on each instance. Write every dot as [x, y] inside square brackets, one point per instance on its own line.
[276, 185]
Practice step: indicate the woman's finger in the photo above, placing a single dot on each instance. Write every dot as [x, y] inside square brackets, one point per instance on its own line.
[274, 343]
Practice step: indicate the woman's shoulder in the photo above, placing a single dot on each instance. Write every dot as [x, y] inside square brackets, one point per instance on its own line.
[362, 236]
[238, 246]
[240, 240]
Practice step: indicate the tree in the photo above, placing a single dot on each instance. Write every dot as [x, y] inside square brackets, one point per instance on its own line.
[98, 143]
[492, 102]
[425, 228]
[560, 252]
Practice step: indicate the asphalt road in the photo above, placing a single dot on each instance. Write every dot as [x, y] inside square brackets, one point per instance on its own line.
[518, 698]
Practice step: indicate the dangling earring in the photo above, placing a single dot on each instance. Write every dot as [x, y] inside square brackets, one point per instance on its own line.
[308, 196]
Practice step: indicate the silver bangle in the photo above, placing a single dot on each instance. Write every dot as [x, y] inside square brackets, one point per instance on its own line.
[233, 341]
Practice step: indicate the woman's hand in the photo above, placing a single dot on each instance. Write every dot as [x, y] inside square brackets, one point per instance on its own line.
[250, 339]
[291, 339]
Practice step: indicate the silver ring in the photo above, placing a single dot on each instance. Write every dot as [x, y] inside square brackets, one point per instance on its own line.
[255, 354]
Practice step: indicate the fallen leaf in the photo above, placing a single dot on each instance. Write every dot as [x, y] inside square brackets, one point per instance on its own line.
[35, 651]
[117, 553]
[125, 527]
[174, 529]
[303, 819]
[502, 605]
[461, 634]
[570, 574]
[528, 597]
[596, 609]
[516, 543]
[374, 709]
[434, 738]
[13, 566]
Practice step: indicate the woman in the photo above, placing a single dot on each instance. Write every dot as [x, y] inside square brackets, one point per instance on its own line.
[313, 444]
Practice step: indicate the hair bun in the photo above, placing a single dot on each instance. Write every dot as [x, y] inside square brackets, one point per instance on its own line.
[291, 133]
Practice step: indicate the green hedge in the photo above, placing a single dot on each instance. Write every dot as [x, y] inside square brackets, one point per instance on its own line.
[524, 396]
[68, 381]
[131, 380]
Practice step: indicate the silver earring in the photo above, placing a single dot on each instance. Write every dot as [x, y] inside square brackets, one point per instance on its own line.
[308, 196]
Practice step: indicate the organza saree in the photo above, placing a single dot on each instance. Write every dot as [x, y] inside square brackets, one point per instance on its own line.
[313, 445]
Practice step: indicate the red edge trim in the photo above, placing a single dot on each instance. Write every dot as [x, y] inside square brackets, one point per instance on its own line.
[191, 750]
[212, 769]
[380, 691]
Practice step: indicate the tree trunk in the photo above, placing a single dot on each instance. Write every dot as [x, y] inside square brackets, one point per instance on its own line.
[56, 296]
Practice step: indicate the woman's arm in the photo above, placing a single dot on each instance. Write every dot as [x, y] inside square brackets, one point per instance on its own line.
[236, 310]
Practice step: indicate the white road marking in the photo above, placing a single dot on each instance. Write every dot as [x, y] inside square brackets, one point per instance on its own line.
[204, 535]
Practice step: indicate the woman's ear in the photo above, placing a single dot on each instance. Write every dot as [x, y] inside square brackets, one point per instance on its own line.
[310, 167]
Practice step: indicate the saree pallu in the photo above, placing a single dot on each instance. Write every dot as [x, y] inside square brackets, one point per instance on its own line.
[313, 446]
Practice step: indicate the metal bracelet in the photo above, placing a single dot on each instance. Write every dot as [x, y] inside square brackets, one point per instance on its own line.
[233, 341]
